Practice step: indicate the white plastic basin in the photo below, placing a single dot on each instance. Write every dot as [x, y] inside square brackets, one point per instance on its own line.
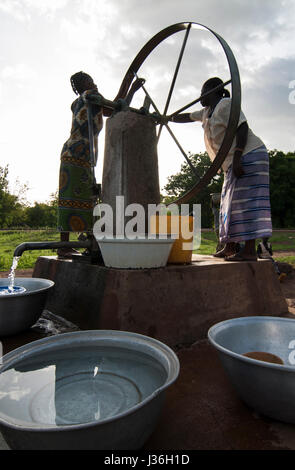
[139, 253]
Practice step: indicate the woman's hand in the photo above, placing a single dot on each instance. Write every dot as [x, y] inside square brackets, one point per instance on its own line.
[134, 87]
[91, 96]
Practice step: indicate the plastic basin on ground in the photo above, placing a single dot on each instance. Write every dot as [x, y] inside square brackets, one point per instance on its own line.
[268, 388]
[19, 311]
[90, 390]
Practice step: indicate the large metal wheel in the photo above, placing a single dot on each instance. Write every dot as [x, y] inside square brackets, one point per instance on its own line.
[234, 79]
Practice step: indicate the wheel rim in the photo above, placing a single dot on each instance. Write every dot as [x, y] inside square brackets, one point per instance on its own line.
[235, 98]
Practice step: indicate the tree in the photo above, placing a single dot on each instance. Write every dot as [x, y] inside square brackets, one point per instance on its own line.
[180, 183]
[14, 211]
[282, 188]
[4, 179]
[11, 212]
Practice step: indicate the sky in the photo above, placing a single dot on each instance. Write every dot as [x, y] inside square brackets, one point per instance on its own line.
[43, 42]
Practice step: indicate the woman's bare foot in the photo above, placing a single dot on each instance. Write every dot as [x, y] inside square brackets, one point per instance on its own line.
[228, 250]
[248, 253]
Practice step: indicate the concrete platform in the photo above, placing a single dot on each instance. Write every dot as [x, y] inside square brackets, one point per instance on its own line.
[176, 304]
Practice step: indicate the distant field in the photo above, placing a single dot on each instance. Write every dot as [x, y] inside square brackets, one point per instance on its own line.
[283, 243]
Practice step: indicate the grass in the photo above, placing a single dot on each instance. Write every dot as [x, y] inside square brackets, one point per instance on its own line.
[282, 240]
[208, 243]
[10, 239]
[286, 259]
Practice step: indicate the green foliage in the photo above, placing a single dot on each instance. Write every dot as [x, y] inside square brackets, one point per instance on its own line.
[282, 188]
[4, 179]
[183, 181]
[10, 209]
[41, 215]
[15, 213]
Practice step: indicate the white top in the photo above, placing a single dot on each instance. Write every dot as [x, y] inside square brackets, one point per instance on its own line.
[214, 130]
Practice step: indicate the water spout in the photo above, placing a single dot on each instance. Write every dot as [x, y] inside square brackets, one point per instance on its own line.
[51, 246]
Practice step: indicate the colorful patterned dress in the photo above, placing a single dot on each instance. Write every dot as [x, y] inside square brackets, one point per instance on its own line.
[76, 197]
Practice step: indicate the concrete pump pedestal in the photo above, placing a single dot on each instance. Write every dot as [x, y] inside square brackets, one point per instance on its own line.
[176, 304]
[130, 166]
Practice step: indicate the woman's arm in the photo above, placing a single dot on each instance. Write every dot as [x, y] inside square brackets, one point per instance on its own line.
[184, 117]
[139, 82]
[241, 140]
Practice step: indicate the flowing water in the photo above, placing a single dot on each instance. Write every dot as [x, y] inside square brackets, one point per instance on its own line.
[11, 275]
[11, 288]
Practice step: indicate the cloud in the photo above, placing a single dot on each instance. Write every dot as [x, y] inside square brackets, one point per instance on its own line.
[24, 10]
[44, 6]
[17, 72]
[267, 102]
[15, 9]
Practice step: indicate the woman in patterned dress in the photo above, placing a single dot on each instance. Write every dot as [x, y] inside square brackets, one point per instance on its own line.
[77, 196]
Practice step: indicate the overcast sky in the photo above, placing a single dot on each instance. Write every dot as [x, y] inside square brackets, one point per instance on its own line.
[43, 42]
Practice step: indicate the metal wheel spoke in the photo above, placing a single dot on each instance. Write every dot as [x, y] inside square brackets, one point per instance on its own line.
[233, 120]
[149, 96]
[183, 152]
[172, 135]
[175, 74]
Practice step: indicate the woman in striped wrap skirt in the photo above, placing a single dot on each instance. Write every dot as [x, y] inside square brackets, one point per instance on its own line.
[245, 212]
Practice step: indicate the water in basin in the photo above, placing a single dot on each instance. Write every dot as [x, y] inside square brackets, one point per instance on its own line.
[7, 290]
[69, 387]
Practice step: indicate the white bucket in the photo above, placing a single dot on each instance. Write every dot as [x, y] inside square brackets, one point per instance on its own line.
[138, 253]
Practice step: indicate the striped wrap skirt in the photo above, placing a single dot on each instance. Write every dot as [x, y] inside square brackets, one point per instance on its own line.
[245, 211]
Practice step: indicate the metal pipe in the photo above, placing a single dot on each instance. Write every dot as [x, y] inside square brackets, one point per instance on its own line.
[51, 246]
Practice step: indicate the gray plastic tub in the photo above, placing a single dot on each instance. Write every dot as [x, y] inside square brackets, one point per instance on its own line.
[85, 390]
[266, 387]
[19, 311]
